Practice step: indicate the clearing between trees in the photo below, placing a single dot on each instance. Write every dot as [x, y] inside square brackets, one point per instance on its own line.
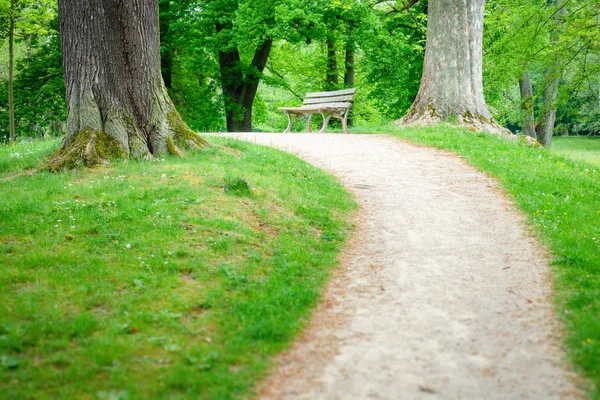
[442, 291]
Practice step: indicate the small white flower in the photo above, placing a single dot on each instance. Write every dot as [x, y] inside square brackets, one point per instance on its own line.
[163, 176]
[128, 246]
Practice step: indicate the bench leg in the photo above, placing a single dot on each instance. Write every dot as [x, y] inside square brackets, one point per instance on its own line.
[308, 119]
[290, 122]
[345, 122]
[326, 118]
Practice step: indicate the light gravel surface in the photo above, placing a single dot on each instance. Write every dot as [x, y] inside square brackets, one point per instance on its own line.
[441, 294]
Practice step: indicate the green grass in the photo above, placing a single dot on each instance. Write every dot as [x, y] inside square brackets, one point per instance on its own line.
[561, 199]
[178, 278]
[581, 148]
[24, 155]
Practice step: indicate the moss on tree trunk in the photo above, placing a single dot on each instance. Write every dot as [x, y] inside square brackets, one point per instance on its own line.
[118, 106]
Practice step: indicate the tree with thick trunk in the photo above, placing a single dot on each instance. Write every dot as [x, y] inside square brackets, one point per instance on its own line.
[527, 118]
[117, 102]
[451, 83]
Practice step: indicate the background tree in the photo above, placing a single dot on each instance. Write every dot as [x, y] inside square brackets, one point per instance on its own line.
[21, 20]
[451, 83]
[549, 40]
[117, 101]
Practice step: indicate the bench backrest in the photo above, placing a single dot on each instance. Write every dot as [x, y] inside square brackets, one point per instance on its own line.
[336, 98]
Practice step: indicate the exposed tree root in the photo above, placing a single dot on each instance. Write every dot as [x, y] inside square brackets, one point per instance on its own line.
[468, 120]
[92, 148]
[89, 148]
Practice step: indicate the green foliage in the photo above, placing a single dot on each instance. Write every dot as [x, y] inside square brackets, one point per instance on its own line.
[534, 36]
[38, 86]
[148, 269]
[389, 53]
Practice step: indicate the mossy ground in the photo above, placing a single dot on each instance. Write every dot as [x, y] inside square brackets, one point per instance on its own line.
[146, 280]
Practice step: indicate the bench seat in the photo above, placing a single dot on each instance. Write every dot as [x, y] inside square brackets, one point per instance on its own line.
[333, 104]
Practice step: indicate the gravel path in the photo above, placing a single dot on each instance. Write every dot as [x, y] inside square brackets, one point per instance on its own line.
[441, 293]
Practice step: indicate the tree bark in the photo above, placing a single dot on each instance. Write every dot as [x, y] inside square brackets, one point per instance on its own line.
[451, 84]
[11, 68]
[527, 119]
[116, 99]
[240, 84]
[350, 70]
[545, 127]
[332, 78]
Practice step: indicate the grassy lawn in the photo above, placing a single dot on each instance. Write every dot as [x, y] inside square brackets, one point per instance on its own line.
[581, 148]
[561, 198]
[178, 278]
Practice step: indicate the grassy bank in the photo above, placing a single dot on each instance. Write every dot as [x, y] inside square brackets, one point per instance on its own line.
[561, 198]
[178, 278]
[581, 148]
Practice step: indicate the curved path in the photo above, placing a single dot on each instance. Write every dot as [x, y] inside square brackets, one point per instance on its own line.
[441, 293]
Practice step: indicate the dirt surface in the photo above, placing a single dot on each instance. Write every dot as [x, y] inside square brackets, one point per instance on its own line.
[441, 293]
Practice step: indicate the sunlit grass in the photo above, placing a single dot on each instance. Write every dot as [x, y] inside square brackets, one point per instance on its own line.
[178, 278]
[581, 148]
[24, 155]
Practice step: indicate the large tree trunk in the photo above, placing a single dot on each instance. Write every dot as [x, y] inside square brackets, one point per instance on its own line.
[11, 68]
[451, 84]
[240, 84]
[527, 118]
[332, 78]
[117, 102]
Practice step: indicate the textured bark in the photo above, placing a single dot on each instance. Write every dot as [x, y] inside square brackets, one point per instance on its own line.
[11, 68]
[545, 127]
[451, 84]
[332, 78]
[113, 82]
[527, 118]
[350, 71]
[241, 84]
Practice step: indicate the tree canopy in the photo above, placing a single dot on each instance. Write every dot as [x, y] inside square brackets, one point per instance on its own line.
[231, 63]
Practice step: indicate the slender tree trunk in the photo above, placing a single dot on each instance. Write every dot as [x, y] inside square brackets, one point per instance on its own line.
[527, 118]
[451, 83]
[239, 88]
[116, 99]
[332, 78]
[11, 68]
[545, 127]
[349, 75]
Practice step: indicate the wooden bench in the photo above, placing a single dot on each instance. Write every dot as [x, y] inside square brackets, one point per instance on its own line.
[334, 104]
